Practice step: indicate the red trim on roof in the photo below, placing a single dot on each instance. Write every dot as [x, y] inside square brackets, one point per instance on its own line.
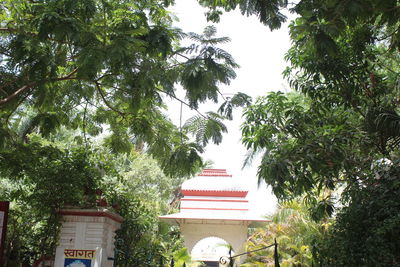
[92, 213]
[214, 172]
[210, 193]
[212, 209]
[214, 200]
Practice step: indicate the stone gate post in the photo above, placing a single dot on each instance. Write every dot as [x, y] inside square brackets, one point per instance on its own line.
[87, 237]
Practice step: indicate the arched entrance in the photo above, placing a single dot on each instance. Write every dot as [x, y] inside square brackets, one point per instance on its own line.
[209, 250]
[232, 233]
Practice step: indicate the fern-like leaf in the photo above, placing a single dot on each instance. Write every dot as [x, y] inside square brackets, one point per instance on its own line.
[206, 128]
[238, 100]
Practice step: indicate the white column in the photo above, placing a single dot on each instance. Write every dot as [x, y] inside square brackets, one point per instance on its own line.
[87, 231]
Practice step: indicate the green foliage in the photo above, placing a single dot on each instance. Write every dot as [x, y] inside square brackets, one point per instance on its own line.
[182, 258]
[94, 64]
[306, 151]
[344, 63]
[184, 160]
[203, 72]
[141, 240]
[365, 231]
[139, 190]
[324, 20]
[237, 100]
[133, 184]
[206, 128]
[146, 180]
[295, 232]
[268, 12]
[29, 177]
[41, 169]
[86, 66]
[342, 59]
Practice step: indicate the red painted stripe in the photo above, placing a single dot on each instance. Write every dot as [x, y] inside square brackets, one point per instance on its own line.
[92, 214]
[211, 209]
[214, 200]
[209, 193]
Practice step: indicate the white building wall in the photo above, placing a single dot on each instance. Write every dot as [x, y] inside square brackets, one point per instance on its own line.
[214, 205]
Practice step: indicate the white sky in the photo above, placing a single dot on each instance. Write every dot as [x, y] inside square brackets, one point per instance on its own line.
[260, 53]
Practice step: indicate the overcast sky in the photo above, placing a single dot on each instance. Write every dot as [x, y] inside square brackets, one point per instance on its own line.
[260, 53]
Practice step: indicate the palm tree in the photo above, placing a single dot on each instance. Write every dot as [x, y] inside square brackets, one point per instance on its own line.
[295, 233]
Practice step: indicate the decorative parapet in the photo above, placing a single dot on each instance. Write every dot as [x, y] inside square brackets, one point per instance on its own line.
[81, 214]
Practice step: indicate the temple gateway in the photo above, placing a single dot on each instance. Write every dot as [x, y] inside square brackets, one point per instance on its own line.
[214, 215]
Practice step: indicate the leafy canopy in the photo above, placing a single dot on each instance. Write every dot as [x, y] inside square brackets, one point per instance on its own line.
[295, 232]
[333, 136]
[364, 232]
[94, 65]
[344, 62]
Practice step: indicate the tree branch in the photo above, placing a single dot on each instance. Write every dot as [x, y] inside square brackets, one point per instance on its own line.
[84, 124]
[13, 30]
[98, 87]
[183, 102]
[8, 30]
[17, 93]
[15, 108]
[219, 92]
[32, 84]
[179, 54]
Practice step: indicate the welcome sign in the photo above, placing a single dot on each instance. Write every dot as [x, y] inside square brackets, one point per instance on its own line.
[78, 257]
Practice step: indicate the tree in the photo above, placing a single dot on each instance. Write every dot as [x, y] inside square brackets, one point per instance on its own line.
[133, 185]
[333, 138]
[107, 64]
[305, 151]
[296, 233]
[343, 53]
[141, 192]
[320, 20]
[105, 69]
[365, 230]
[344, 62]
[28, 180]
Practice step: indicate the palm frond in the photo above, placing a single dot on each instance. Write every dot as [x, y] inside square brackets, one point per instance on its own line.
[206, 128]
[249, 157]
[238, 100]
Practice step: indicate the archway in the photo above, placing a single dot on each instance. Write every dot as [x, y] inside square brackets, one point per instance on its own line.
[209, 250]
[234, 234]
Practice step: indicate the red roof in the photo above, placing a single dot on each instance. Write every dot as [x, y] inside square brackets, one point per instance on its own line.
[214, 172]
